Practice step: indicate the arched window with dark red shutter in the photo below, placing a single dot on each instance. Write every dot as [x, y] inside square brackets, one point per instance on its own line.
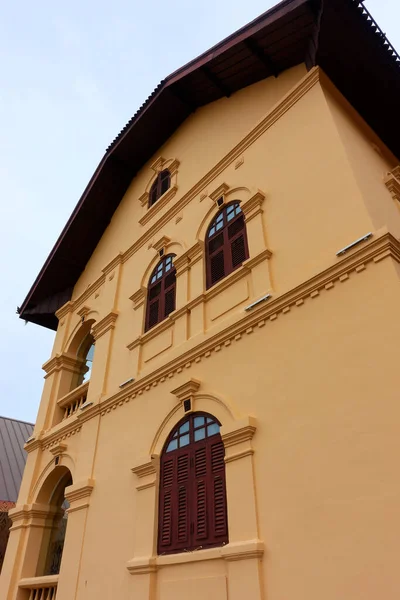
[226, 243]
[161, 292]
[160, 186]
[192, 498]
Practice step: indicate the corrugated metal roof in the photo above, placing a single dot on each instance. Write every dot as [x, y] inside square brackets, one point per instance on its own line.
[13, 435]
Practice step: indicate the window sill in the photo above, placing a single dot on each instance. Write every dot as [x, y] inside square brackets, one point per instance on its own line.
[34, 583]
[158, 205]
[231, 552]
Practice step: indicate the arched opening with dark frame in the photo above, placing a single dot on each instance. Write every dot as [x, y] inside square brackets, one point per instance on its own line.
[226, 243]
[161, 184]
[161, 292]
[53, 494]
[86, 354]
[192, 498]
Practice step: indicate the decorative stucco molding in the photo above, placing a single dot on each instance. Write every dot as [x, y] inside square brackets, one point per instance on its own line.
[58, 449]
[159, 165]
[63, 361]
[78, 494]
[138, 298]
[219, 192]
[64, 310]
[105, 325]
[242, 550]
[252, 207]
[384, 245]
[392, 182]
[187, 390]
[161, 243]
[24, 515]
[146, 471]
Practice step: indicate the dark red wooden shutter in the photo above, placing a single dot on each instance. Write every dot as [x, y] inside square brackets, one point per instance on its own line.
[218, 501]
[161, 292]
[192, 510]
[166, 504]
[174, 509]
[226, 247]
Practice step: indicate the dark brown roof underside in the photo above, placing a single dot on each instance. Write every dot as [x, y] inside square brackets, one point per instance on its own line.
[13, 435]
[340, 38]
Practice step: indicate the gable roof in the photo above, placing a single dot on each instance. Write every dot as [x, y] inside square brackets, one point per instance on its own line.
[13, 435]
[340, 36]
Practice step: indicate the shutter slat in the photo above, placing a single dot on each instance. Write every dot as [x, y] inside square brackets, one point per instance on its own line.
[217, 267]
[166, 519]
[219, 507]
[200, 460]
[238, 251]
[153, 313]
[169, 302]
[201, 510]
[217, 457]
[183, 516]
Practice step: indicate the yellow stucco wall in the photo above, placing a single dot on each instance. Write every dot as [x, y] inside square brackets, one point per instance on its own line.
[304, 384]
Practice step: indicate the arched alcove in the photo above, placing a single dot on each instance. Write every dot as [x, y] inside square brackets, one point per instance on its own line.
[52, 496]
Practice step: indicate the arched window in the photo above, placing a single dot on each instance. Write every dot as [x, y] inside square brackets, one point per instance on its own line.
[226, 243]
[86, 353]
[192, 499]
[54, 536]
[160, 186]
[161, 292]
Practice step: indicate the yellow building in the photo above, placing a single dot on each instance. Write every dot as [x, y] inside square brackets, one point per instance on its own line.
[220, 414]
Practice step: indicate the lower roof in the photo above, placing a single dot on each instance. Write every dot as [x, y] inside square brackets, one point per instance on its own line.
[340, 36]
[13, 435]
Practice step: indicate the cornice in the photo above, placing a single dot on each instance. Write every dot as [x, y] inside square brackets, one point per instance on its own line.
[58, 449]
[145, 468]
[219, 192]
[64, 310]
[392, 182]
[106, 324]
[252, 207]
[24, 512]
[239, 435]
[32, 445]
[79, 491]
[161, 243]
[352, 264]
[339, 272]
[69, 427]
[113, 264]
[90, 290]
[187, 389]
[62, 361]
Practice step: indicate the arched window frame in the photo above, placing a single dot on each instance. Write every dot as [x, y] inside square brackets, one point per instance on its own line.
[192, 497]
[161, 184]
[226, 243]
[161, 292]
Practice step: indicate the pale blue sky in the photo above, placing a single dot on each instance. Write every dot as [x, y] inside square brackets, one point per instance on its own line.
[72, 75]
